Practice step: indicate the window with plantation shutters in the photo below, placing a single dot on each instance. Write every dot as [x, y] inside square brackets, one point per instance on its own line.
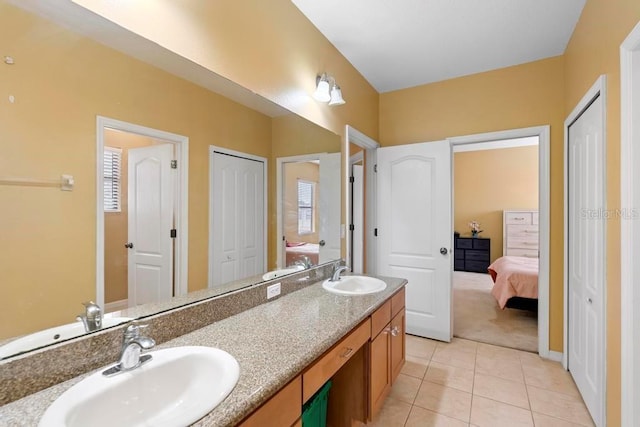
[112, 166]
[306, 191]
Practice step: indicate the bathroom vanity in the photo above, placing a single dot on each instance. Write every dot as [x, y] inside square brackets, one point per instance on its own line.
[287, 349]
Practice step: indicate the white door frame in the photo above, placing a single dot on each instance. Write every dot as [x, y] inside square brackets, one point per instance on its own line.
[354, 160]
[629, 229]
[280, 161]
[598, 88]
[544, 190]
[369, 146]
[229, 152]
[181, 209]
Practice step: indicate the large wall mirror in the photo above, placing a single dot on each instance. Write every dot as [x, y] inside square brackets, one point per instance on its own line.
[147, 145]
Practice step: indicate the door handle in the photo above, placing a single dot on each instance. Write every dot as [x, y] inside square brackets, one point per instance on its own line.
[444, 251]
[589, 300]
[322, 243]
[128, 245]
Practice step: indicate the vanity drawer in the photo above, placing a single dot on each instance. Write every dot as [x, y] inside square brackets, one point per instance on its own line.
[397, 302]
[325, 367]
[380, 318]
[283, 409]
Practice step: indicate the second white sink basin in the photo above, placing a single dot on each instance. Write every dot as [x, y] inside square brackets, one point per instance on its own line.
[52, 336]
[177, 387]
[355, 285]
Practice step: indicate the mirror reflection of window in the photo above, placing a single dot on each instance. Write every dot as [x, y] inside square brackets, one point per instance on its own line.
[306, 190]
[112, 165]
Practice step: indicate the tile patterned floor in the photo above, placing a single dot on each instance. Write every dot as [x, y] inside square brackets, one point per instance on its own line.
[469, 384]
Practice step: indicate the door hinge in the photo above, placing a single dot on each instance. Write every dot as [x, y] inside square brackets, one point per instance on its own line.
[352, 227]
[174, 164]
[375, 168]
[174, 233]
[375, 232]
[352, 179]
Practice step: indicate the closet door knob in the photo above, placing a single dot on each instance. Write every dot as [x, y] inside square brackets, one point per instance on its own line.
[322, 243]
[128, 245]
[444, 251]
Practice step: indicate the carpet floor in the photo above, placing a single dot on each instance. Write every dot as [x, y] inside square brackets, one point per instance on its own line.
[477, 316]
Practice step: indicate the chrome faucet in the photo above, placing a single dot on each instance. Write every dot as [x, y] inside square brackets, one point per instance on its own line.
[133, 343]
[92, 318]
[336, 272]
[304, 261]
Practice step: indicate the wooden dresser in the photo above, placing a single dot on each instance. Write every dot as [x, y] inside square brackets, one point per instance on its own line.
[520, 231]
[472, 254]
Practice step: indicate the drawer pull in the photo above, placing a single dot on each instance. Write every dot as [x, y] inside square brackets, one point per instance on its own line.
[347, 352]
[394, 331]
[530, 243]
[531, 231]
[519, 218]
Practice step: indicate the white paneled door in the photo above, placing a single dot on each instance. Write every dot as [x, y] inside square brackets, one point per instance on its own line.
[237, 235]
[151, 190]
[586, 246]
[414, 231]
[330, 208]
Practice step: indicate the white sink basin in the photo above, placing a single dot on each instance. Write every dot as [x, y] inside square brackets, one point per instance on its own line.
[177, 387]
[355, 285]
[52, 336]
[282, 272]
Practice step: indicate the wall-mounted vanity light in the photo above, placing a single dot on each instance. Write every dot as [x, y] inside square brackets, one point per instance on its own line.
[327, 90]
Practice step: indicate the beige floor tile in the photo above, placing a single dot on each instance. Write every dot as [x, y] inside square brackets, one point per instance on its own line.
[460, 344]
[489, 413]
[444, 400]
[502, 353]
[549, 376]
[505, 391]
[542, 420]
[454, 355]
[450, 376]
[499, 367]
[420, 347]
[393, 413]
[405, 388]
[558, 405]
[420, 417]
[415, 366]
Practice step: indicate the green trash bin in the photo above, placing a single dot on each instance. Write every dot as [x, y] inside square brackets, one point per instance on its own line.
[314, 412]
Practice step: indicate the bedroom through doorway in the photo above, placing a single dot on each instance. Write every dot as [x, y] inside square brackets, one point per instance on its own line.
[496, 242]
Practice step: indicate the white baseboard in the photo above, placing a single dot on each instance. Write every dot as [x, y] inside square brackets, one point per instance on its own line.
[116, 306]
[556, 356]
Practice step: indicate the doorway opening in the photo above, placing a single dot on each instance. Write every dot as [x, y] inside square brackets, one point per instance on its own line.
[360, 166]
[141, 253]
[540, 133]
[308, 209]
[495, 245]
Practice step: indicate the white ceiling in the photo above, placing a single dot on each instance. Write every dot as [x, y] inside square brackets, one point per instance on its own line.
[397, 44]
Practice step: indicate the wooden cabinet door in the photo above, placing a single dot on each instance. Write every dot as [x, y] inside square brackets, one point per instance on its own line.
[380, 374]
[397, 344]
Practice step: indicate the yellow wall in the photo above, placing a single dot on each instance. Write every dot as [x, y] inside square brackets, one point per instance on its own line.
[526, 95]
[306, 171]
[116, 223]
[269, 47]
[489, 181]
[51, 129]
[594, 49]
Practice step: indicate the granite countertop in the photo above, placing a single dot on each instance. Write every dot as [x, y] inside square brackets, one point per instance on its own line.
[272, 343]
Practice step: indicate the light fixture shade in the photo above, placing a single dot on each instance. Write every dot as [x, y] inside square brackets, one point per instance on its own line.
[322, 89]
[336, 96]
